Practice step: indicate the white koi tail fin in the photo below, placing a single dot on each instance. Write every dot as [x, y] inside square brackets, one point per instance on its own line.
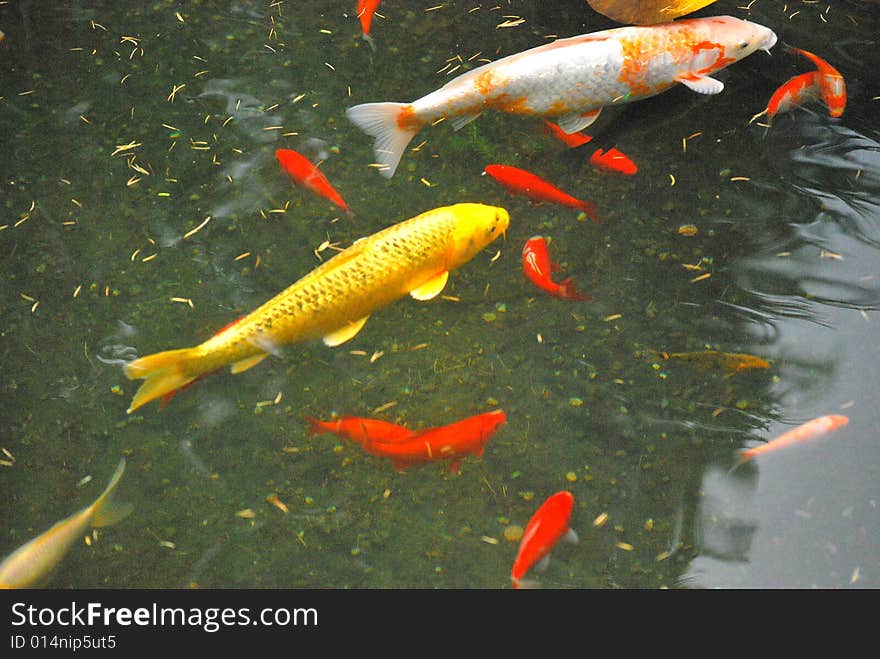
[393, 126]
[164, 372]
[106, 511]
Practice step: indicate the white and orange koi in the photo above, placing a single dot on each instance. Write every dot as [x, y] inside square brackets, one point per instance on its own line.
[817, 427]
[831, 83]
[571, 79]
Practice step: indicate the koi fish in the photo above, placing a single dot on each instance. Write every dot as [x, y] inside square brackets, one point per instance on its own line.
[794, 93]
[537, 267]
[166, 398]
[365, 11]
[611, 161]
[519, 181]
[646, 12]
[33, 562]
[450, 442]
[831, 83]
[810, 430]
[335, 299]
[571, 79]
[360, 430]
[303, 172]
[732, 362]
[545, 528]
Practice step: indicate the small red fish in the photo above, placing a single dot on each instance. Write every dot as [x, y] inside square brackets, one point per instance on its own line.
[793, 94]
[545, 528]
[360, 430]
[519, 181]
[365, 11]
[166, 398]
[611, 161]
[809, 430]
[538, 267]
[302, 171]
[450, 442]
[831, 83]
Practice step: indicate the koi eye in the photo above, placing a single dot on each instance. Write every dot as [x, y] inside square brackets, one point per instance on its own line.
[744, 44]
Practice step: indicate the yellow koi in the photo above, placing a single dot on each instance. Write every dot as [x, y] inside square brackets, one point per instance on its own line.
[335, 299]
[646, 12]
[732, 362]
[30, 564]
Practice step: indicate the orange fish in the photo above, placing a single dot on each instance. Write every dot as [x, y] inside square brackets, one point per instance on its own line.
[611, 161]
[365, 11]
[831, 83]
[792, 94]
[450, 442]
[545, 528]
[360, 430]
[302, 171]
[519, 181]
[809, 430]
[538, 266]
[646, 12]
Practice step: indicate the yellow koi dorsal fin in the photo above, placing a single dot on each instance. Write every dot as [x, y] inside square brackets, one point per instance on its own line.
[245, 364]
[345, 333]
[431, 288]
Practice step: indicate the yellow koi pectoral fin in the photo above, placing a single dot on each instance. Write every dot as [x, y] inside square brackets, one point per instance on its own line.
[345, 333]
[431, 288]
[701, 84]
[245, 364]
[106, 511]
[164, 372]
[575, 121]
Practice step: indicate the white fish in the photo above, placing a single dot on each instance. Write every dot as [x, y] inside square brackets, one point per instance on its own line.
[30, 564]
[571, 79]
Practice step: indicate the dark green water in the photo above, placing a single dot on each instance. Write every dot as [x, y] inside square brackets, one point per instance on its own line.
[95, 252]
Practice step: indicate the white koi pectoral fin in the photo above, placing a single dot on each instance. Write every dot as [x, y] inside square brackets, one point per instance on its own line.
[244, 364]
[571, 536]
[576, 121]
[701, 84]
[431, 288]
[384, 122]
[462, 120]
[345, 333]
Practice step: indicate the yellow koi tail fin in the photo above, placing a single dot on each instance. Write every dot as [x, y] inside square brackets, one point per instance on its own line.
[164, 372]
[392, 124]
[106, 511]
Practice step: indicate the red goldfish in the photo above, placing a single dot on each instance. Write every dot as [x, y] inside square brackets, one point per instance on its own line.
[611, 161]
[545, 528]
[365, 11]
[450, 442]
[809, 430]
[537, 266]
[831, 83]
[519, 181]
[360, 430]
[571, 80]
[302, 171]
